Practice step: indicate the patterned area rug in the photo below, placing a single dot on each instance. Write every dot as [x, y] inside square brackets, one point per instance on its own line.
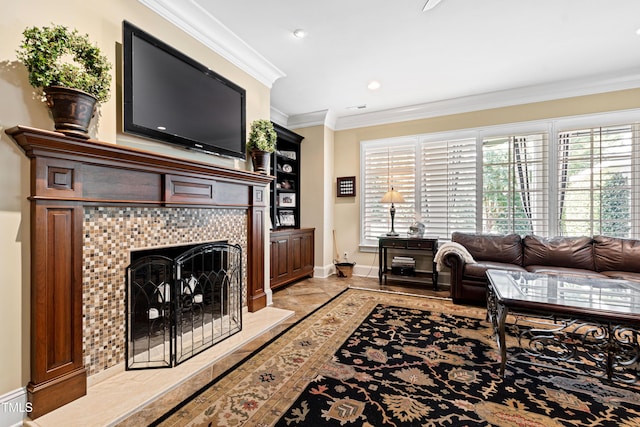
[370, 358]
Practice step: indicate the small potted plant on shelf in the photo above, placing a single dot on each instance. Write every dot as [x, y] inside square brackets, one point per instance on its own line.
[71, 72]
[261, 143]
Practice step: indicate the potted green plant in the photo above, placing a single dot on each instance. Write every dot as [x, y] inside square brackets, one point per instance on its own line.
[71, 72]
[261, 143]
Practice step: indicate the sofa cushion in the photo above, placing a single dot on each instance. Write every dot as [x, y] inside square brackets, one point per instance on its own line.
[612, 253]
[479, 269]
[622, 275]
[545, 269]
[570, 252]
[487, 247]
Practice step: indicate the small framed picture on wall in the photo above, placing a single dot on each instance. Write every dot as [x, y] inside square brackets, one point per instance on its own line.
[346, 186]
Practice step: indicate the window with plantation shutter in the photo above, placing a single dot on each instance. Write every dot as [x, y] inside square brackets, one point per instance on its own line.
[448, 186]
[530, 178]
[598, 181]
[384, 166]
[515, 185]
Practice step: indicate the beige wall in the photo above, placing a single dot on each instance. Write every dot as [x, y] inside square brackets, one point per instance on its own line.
[316, 191]
[347, 148]
[102, 20]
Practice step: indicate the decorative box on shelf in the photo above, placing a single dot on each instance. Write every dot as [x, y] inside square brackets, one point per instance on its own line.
[289, 154]
[403, 266]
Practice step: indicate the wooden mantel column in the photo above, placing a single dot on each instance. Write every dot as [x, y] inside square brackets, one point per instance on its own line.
[256, 297]
[68, 174]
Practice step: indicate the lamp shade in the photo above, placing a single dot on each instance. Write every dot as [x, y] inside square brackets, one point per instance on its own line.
[392, 197]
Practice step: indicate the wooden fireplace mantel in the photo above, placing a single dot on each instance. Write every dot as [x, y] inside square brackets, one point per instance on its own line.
[68, 174]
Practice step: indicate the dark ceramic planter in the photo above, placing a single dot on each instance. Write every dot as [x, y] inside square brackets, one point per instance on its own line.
[71, 109]
[261, 161]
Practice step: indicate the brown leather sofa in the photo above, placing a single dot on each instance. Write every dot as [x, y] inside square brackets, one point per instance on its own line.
[600, 256]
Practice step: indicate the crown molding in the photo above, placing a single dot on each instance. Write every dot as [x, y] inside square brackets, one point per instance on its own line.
[629, 79]
[316, 118]
[504, 98]
[279, 117]
[204, 27]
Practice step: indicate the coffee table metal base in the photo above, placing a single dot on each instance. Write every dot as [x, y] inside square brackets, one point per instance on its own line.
[608, 350]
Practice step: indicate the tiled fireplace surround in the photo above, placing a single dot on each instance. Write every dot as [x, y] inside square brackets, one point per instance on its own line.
[110, 234]
[91, 204]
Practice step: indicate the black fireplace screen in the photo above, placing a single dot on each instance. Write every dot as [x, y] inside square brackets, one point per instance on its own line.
[180, 306]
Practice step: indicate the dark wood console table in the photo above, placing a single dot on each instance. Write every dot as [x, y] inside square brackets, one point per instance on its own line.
[68, 174]
[407, 246]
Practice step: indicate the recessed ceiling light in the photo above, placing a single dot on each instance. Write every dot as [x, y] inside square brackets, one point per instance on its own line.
[161, 128]
[357, 107]
[300, 33]
[374, 85]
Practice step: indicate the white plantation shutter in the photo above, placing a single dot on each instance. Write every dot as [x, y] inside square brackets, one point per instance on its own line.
[515, 181]
[448, 186]
[596, 181]
[384, 166]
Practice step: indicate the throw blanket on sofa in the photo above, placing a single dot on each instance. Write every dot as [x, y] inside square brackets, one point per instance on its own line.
[452, 247]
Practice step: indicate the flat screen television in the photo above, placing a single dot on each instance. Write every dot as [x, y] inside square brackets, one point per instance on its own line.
[172, 98]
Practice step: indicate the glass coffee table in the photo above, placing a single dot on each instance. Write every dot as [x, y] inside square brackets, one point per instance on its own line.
[570, 322]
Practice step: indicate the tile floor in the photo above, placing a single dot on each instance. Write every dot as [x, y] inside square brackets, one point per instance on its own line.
[136, 398]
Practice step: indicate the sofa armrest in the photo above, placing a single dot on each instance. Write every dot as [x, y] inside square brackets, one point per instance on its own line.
[452, 260]
[456, 263]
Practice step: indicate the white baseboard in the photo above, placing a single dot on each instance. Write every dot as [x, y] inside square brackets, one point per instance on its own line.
[365, 271]
[14, 408]
[444, 277]
[323, 272]
[329, 270]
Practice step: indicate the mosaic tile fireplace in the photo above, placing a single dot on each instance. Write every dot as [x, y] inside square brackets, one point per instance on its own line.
[110, 234]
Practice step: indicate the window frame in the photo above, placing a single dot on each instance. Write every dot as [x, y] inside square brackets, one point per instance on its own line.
[538, 195]
[376, 145]
[602, 159]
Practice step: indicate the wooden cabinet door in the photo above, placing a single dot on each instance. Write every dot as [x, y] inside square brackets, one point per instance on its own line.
[307, 252]
[273, 260]
[296, 253]
[281, 249]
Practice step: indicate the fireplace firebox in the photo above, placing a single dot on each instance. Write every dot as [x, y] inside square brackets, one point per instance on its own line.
[180, 302]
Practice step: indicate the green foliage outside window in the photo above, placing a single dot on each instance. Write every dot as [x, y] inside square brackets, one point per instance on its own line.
[615, 208]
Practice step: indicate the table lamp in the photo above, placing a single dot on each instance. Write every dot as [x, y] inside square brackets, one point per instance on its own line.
[392, 197]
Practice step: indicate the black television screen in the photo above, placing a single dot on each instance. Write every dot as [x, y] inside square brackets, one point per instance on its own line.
[172, 98]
